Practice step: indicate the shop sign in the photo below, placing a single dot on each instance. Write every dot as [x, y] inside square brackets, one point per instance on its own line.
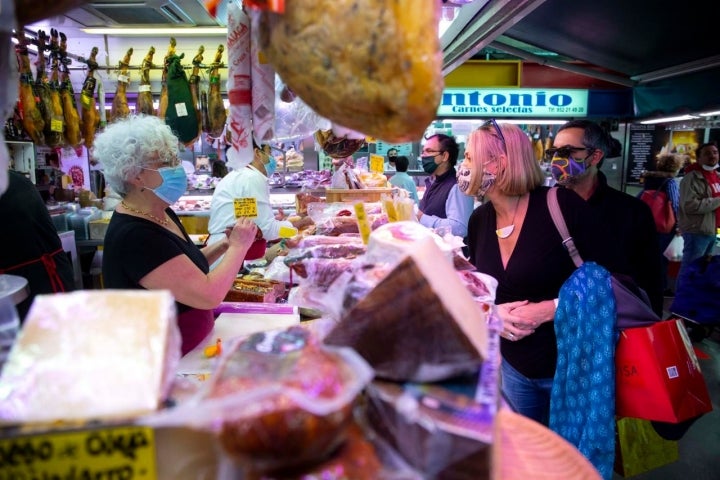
[121, 453]
[513, 102]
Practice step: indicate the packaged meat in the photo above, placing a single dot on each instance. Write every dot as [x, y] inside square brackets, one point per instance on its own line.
[244, 290]
[387, 83]
[278, 399]
[424, 295]
[91, 354]
[439, 432]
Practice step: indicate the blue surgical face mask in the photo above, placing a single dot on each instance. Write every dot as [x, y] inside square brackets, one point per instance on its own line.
[271, 166]
[174, 183]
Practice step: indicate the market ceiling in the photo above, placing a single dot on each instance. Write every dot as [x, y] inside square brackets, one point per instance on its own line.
[630, 42]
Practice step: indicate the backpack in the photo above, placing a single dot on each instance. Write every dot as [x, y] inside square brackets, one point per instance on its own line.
[661, 208]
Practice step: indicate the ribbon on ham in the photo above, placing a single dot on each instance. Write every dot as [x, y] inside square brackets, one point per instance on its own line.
[263, 88]
[239, 87]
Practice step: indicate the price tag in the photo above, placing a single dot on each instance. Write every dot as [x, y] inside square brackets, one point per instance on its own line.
[56, 125]
[362, 221]
[120, 452]
[377, 163]
[181, 110]
[245, 207]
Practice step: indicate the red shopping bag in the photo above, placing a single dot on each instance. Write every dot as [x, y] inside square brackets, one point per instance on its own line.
[658, 376]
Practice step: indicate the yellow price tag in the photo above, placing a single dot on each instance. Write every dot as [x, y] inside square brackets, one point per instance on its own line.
[56, 125]
[362, 221]
[377, 163]
[245, 207]
[118, 452]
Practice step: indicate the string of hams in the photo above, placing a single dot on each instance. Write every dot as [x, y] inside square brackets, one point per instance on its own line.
[216, 108]
[163, 82]
[144, 98]
[195, 83]
[67, 96]
[90, 116]
[120, 108]
[49, 95]
[32, 120]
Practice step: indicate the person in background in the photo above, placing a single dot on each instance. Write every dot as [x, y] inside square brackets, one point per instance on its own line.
[392, 154]
[578, 151]
[146, 246]
[699, 215]
[512, 238]
[219, 169]
[442, 204]
[402, 179]
[31, 247]
[663, 179]
[249, 182]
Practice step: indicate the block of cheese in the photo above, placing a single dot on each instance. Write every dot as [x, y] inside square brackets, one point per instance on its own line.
[419, 323]
[92, 354]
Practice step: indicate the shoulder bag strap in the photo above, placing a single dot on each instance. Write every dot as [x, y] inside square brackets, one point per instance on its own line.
[561, 226]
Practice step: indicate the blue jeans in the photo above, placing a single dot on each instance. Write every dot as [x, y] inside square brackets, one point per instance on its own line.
[529, 397]
[696, 246]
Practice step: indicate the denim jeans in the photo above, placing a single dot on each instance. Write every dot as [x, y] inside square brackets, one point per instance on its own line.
[529, 397]
[696, 246]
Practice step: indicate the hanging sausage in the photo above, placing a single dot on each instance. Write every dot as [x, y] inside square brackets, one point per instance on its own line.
[238, 87]
[216, 108]
[195, 83]
[67, 96]
[120, 108]
[144, 103]
[32, 120]
[163, 82]
[90, 117]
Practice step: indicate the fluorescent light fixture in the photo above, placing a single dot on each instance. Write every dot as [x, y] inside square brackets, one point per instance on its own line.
[531, 121]
[709, 114]
[154, 32]
[678, 118]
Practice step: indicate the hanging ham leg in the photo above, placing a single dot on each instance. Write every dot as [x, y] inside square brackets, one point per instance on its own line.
[216, 107]
[163, 84]
[90, 117]
[195, 83]
[144, 103]
[181, 114]
[120, 108]
[67, 97]
[32, 119]
[51, 110]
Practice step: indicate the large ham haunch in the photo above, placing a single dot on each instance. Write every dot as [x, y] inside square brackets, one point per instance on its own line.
[144, 103]
[369, 65]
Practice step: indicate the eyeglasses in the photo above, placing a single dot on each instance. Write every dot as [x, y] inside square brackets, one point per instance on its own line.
[434, 153]
[494, 124]
[563, 152]
[170, 164]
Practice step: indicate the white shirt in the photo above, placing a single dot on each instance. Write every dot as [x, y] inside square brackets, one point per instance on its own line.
[247, 182]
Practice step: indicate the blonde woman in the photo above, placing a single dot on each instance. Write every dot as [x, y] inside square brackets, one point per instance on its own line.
[511, 237]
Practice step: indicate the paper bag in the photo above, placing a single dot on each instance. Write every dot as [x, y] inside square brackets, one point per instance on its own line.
[639, 448]
[658, 375]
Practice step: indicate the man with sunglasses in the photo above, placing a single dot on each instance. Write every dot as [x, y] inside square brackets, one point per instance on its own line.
[578, 151]
[443, 204]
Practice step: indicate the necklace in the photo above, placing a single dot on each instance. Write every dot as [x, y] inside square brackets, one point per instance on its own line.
[161, 221]
[505, 232]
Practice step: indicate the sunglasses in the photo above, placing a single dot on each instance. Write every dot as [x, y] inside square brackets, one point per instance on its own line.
[492, 123]
[563, 152]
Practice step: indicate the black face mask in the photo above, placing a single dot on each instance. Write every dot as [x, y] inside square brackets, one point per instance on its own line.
[428, 163]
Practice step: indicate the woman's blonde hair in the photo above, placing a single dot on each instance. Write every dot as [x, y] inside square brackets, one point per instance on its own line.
[670, 162]
[519, 173]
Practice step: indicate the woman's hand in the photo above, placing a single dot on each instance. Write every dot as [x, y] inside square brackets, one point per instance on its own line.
[521, 318]
[243, 232]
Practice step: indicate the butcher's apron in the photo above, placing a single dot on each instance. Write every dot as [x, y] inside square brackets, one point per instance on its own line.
[48, 261]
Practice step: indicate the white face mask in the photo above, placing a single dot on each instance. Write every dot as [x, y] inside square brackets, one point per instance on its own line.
[710, 168]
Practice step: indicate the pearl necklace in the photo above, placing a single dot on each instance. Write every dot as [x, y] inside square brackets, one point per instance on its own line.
[505, 232]
[162, 221]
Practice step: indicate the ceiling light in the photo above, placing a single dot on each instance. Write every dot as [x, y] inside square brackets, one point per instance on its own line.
[154, 32]
[669, 119]
[709, 114]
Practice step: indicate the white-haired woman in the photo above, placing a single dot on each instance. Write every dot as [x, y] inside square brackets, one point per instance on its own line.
[146, 246]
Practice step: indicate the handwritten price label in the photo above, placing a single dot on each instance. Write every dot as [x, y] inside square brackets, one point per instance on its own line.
[362, 221]
[377, 163]
[120, 453]
[245, 207]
